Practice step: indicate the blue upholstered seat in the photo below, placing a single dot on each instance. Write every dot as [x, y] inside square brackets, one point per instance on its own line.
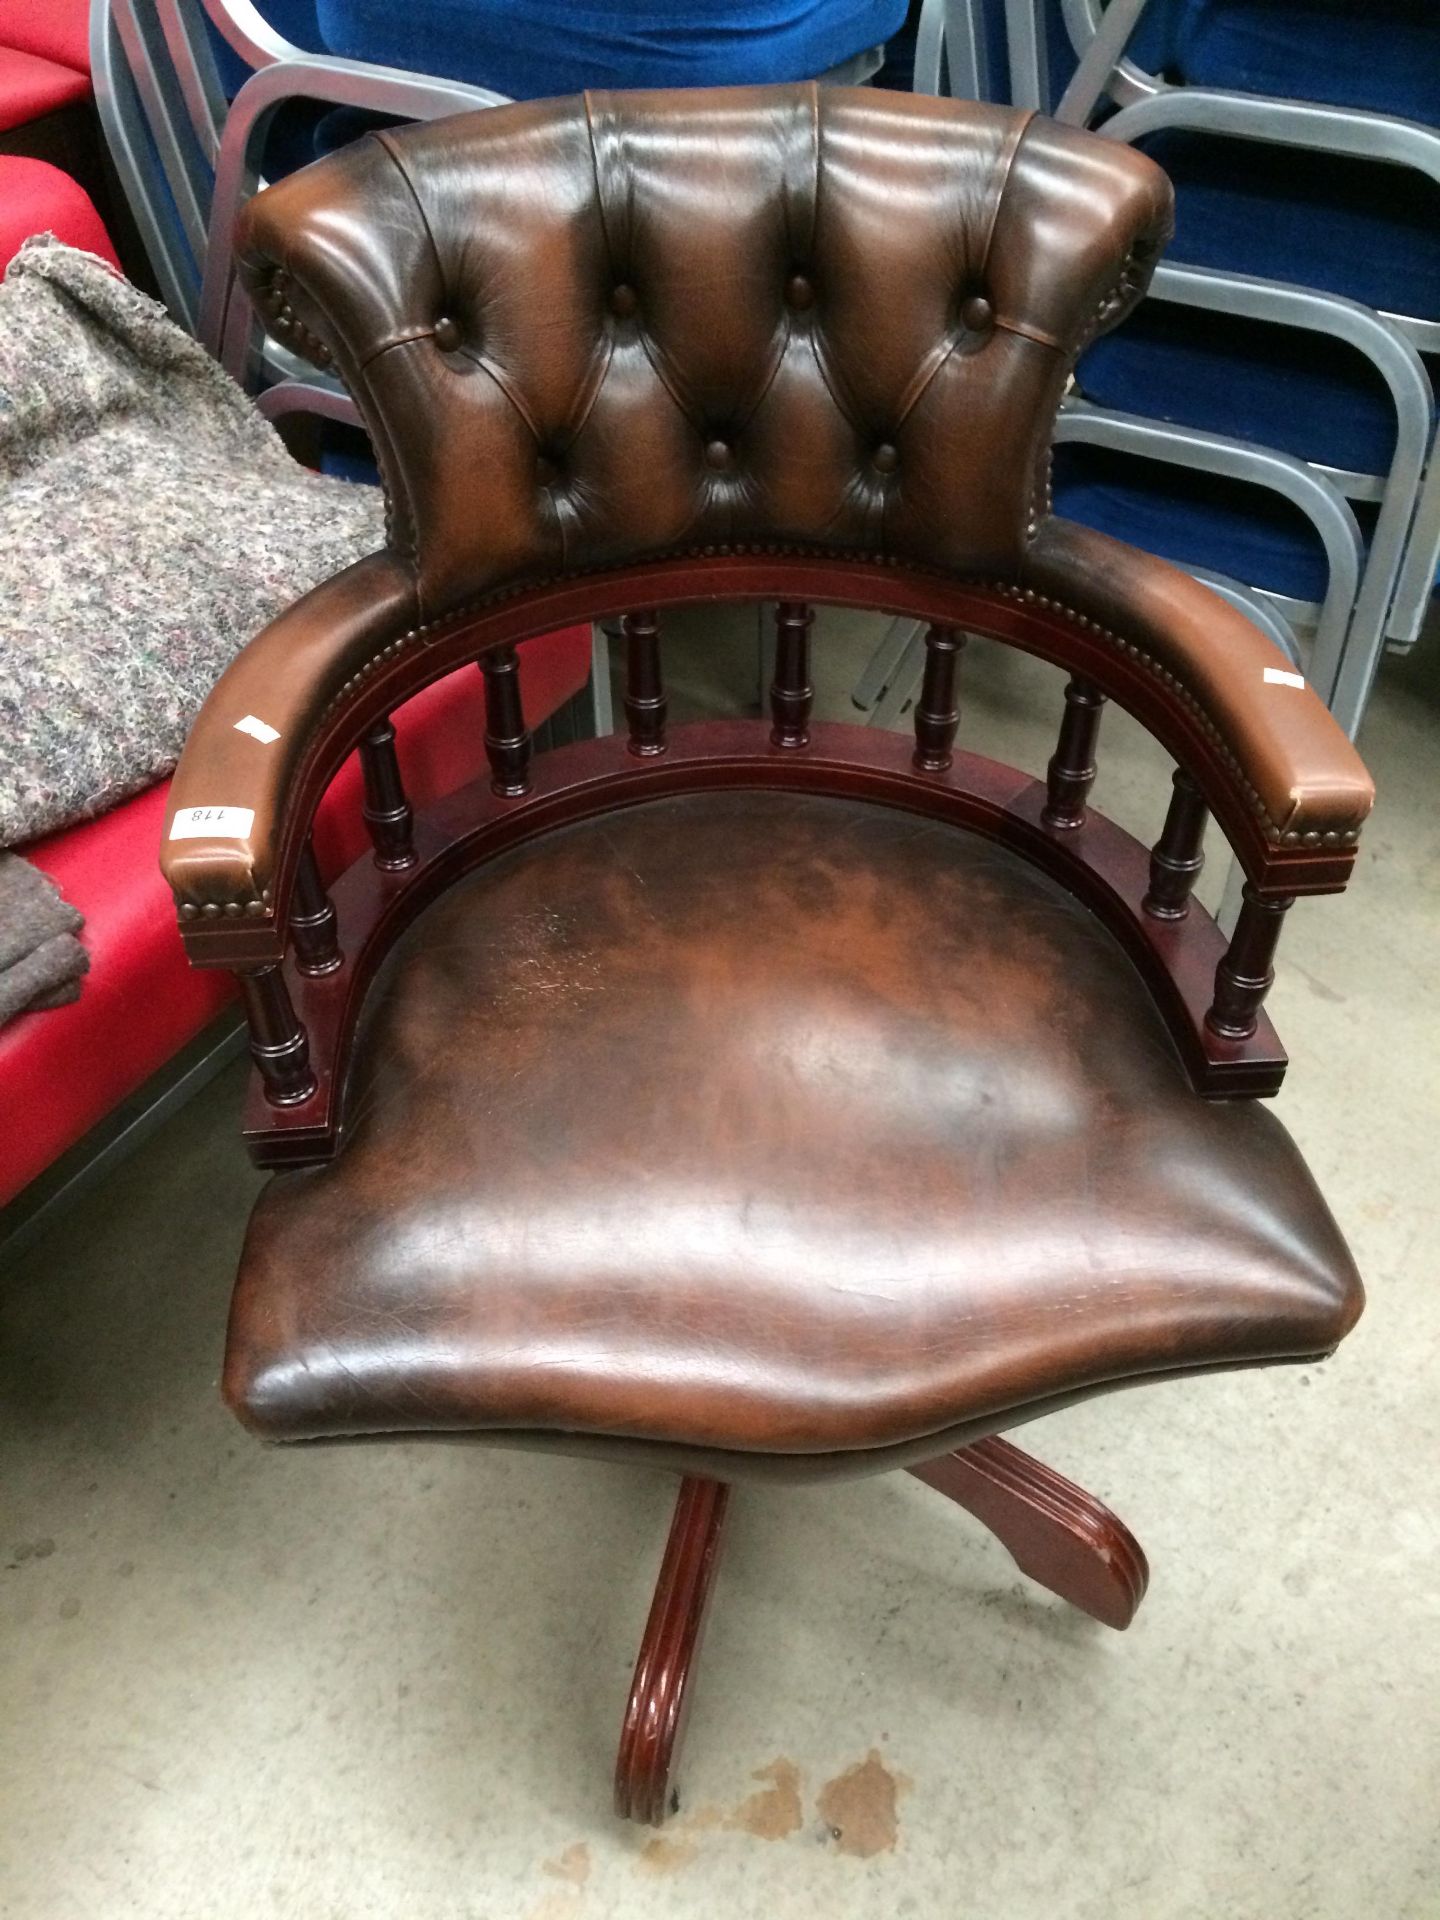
[1380, 55]
[536, 49]
[1249, 380]
[1361, 228]
[532, 49]
[1192, 519]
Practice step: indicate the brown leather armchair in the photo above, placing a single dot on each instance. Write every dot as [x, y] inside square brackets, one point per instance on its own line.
[768, 1102]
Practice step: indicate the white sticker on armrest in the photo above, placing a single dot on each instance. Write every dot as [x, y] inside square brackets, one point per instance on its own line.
[257, 729]
[213, 823]
[1278, 677]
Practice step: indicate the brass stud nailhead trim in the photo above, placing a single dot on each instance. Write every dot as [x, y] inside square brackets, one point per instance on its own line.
[431, 631]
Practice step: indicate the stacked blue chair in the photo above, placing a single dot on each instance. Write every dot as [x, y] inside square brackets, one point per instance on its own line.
[202, 99]
[1307, 303]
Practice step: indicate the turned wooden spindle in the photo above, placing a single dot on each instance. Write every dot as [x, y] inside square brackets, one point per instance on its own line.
[278, 1043]
[791, 694]
[645, 702]
[937, 713]
[386, 810]
[1178, 855]
[313, 925]
[1244, 976]
[1071, 772]
[508, 746]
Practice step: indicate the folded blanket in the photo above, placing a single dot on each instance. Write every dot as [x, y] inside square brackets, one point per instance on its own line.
[41, 961]
[151, 521]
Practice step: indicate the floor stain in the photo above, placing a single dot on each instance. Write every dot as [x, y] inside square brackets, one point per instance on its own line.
[774, 1811]
[667, 1856]
[703, 1820]
[573, 1864]
[858, 1806]
[31, 1550]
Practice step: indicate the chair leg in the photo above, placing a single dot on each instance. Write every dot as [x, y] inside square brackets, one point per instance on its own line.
[659, 1693]
[1054, 1531]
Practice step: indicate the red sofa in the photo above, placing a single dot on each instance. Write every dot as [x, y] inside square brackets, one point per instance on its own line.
[44, 61]
[62, 1071]
[38, 198]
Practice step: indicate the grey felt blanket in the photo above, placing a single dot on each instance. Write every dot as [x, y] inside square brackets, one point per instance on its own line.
[150, 523]
[41, 961]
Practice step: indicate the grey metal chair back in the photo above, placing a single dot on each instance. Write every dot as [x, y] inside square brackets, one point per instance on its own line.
[1147, 103]
[1394, 582]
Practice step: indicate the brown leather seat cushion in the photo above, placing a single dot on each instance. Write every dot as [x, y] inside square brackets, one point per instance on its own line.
[761, 1128]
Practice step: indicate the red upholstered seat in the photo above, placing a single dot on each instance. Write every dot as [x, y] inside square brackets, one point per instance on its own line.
[31, 87]
[63, 1070]
[38, 198]
[54, 29]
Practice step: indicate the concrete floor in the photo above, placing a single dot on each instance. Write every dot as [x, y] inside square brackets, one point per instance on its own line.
[388, 1681]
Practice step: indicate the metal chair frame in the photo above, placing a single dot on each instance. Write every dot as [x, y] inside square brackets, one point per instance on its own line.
[1348, 640]
[953, 30]
[1371, 137]
[1398, 491]
[1148, 103]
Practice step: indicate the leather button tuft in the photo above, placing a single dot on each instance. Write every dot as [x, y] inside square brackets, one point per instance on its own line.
[546, 471]
[885, 459]
[799, 292]
[977, 313]
[624, 301]
[447, 335]
[718, 454]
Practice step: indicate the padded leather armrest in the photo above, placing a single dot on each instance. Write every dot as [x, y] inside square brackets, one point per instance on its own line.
[1300, 775]
[228, 794]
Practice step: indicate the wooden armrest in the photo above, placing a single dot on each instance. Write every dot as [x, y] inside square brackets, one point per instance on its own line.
[1293, 766]
[227, 800]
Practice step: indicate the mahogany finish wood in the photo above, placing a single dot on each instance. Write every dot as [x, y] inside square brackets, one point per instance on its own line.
[1179, 853]
[937, 713]
[386, 810]
[659, 1700]
[1099, 862]
[313, 921]
[1246, 974]
[1055, 1532]
[1071, 772]
[1035, 628]
[791, 694]
[507, 739]
[279, 1045]
[645, 701]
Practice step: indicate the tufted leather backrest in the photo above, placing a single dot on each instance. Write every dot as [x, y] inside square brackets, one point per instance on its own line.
[584, 332]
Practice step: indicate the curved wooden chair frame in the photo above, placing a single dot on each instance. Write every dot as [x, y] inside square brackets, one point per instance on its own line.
[304, 1012]
[1057, 1534]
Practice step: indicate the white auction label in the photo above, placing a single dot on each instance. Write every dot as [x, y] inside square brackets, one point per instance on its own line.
[1278, 677]
[257, 729]
[213, 823]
